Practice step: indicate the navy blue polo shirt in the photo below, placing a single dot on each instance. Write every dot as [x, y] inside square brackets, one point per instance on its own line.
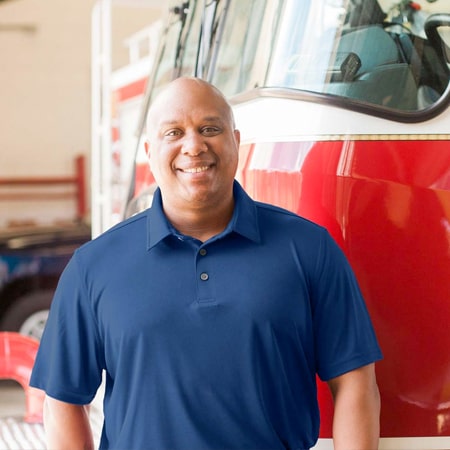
[211, 345]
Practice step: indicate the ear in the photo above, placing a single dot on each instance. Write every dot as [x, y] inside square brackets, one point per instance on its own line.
[237, 137]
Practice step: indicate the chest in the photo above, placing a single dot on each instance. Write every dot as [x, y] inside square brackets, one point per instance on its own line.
[198, 301]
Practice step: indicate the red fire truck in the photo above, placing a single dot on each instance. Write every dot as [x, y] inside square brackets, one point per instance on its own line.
[343, 107]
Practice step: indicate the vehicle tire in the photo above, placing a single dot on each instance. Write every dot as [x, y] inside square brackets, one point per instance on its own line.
[28, 314]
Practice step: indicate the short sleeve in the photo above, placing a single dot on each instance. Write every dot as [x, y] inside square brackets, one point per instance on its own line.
[344, 335]
[68, 364]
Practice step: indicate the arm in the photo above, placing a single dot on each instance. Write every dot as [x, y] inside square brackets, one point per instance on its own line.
[356, 422]
[67, 426]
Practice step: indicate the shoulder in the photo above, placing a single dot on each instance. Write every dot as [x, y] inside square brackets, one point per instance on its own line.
[129, 232]
[288, 233]
[286, 220]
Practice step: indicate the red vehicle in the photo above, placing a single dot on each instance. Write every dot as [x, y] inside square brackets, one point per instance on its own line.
[344, 112]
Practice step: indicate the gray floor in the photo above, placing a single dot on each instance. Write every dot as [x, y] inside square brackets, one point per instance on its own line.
[15, 434]
[12, 399]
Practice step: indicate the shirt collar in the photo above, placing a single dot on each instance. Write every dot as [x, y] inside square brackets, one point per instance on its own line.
[244, 220]
[245, 215]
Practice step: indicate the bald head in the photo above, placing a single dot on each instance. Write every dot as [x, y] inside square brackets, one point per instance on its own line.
[187, 91]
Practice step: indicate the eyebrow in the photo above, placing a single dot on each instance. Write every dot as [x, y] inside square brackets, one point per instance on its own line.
[206, 119]
[213, 119]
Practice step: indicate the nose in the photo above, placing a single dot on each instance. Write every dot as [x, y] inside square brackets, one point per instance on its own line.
[194, 144]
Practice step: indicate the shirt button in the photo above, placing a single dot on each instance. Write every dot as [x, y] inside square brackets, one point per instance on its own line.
[204, 276]
[203, 252]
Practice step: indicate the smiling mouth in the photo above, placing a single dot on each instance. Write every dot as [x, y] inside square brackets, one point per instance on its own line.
[196, 169]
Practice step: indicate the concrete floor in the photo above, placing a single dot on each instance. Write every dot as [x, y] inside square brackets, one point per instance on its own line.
[12, 399]
[15, 434]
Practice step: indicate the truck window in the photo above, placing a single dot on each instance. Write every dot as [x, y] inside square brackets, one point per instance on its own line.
[392, 58]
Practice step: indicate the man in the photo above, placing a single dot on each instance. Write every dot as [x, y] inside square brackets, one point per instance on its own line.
[211, 314]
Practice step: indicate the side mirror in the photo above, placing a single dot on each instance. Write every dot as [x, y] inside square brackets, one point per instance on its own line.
[437, 29]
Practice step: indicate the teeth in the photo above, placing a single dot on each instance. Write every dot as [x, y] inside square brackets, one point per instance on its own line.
[196, 169]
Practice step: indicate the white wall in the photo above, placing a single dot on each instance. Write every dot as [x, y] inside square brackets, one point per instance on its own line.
[45, 92]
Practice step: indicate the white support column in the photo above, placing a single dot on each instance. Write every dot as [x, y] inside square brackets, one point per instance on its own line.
[101, 164]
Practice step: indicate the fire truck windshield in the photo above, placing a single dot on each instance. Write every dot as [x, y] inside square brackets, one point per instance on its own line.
[357, 53]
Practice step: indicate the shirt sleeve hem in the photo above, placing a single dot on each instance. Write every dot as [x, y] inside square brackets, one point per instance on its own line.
[342, 367]
[66, 397]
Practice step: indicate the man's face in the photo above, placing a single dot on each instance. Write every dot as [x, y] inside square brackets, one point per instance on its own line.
[193, 147]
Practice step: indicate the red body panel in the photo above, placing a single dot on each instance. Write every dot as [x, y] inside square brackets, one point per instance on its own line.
[387, 204]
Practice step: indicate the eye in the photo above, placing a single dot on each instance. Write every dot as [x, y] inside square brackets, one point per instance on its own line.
[172, 133]
[211, 131]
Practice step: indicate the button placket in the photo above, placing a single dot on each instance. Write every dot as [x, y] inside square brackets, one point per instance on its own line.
[205, 287]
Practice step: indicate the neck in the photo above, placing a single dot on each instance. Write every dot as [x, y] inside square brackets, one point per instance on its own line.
[201, 223]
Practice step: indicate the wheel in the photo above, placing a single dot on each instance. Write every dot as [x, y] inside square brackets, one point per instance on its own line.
[28, 314]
